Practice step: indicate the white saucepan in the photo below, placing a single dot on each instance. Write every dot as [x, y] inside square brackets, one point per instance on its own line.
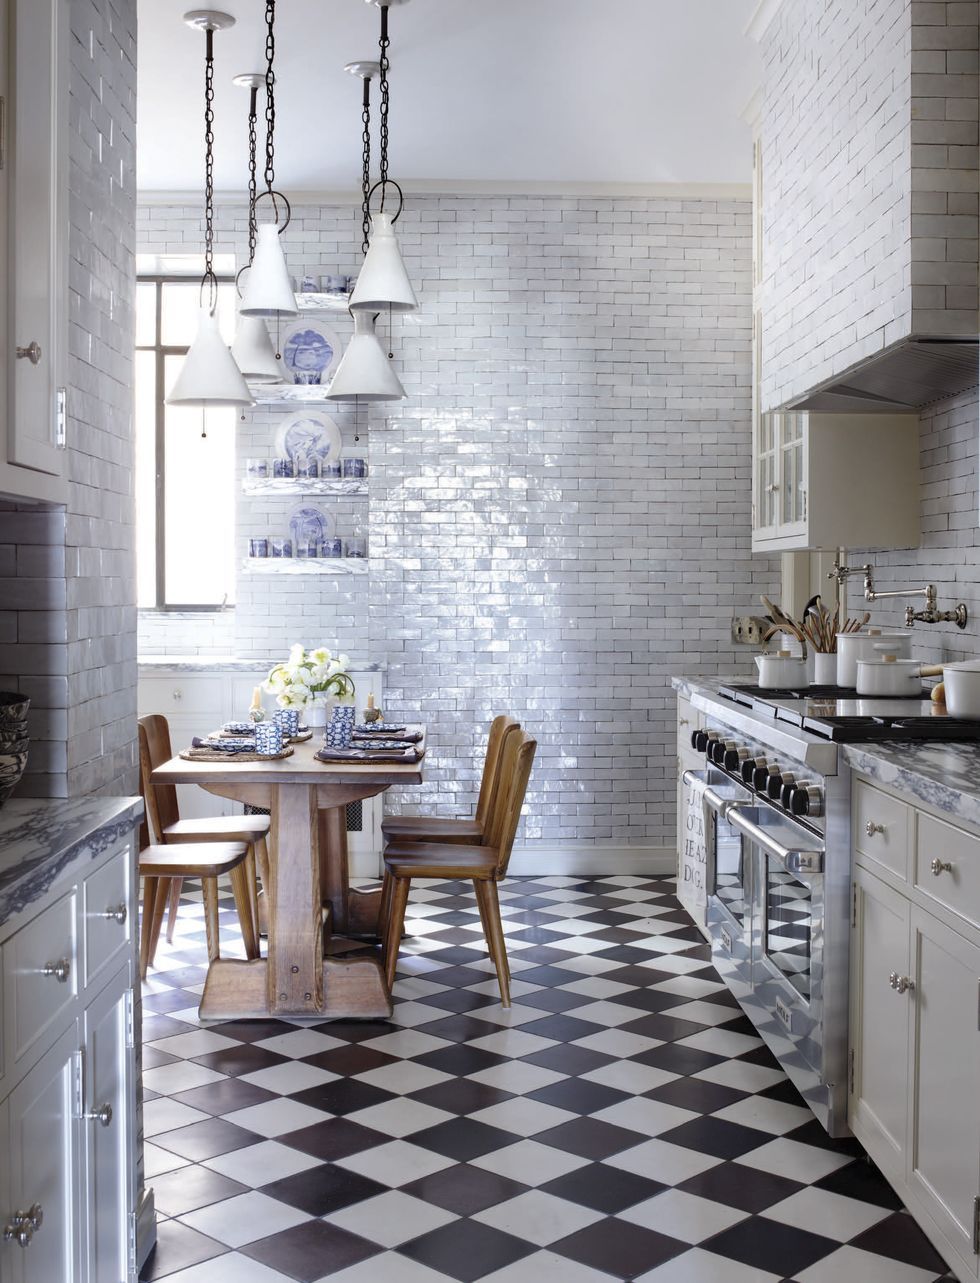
[888, 676]
[961, 683]
[854, 646]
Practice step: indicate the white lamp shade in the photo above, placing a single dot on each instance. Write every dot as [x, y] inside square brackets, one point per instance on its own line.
[209, 375]
[365, 372]
[253, 351]
[383, 281]
[268, 291]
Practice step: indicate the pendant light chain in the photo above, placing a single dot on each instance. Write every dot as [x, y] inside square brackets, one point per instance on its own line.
[270, 95]
[366, 167]
[210, 280]
[252, 167]
[383, 43]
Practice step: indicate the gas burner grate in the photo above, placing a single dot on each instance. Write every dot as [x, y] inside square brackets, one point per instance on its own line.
[851, 730]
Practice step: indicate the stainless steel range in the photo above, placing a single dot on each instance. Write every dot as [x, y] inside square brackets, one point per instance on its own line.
[776, 798]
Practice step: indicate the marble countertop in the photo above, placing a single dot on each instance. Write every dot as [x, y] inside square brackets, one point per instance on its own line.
[41, 840]
[228, 664]
[944, 776]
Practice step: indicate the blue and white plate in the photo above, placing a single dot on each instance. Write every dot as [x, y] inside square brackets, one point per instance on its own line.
[306, 436]
[310, 348]
[310, 525]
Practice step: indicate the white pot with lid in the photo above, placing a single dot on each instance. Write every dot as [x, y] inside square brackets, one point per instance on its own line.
[854, 646]
[780, 670]
[887, 676]
[961, 683]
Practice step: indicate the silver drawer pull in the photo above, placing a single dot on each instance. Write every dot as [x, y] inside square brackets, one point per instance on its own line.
[683, 721]
[871, 828]
[102, 1115]
[32, 352]
[938, 866]
[178, 694]
[901, 984]
[23, 1225]
[118, 914]
[60, 970]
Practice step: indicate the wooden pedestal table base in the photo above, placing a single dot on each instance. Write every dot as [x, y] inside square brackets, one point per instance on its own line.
[306, 801]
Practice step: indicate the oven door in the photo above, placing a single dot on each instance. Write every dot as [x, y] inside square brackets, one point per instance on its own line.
[729, 877]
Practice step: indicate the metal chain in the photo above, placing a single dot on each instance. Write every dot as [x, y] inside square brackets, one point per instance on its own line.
[253, 112]
[383, 43]
[366, 167]
[209, 277]
[270, 94]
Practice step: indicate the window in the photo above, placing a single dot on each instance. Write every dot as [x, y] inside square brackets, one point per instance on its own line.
[185, 482]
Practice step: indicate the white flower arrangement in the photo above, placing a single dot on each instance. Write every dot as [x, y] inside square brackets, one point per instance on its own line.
[307, 674]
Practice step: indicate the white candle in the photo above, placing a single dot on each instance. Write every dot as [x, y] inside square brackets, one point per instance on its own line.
[370, 699]
[257, 697]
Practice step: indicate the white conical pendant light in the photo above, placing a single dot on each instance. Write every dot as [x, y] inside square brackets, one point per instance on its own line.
[365, 373]
[209, 375]
[383, 281]
[269, 292]
[253, 351]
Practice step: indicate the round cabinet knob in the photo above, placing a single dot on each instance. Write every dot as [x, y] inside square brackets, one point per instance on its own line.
[20, 1234]
[805, 799]
[102, 1115]
[901, 984]
[61, 970]
[871, 828]
[32, 352]
[118, 914]
[776, 783]
[178, 694]
[939, 866]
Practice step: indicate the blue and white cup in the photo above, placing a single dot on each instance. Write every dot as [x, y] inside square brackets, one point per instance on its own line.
[333, 284]
[281, 547]
[307, 548]
[356, 547]
[308, 285]
[308, 467]
[340, 728]
[256, 467]
[355, 467]
[307, 376]
[268, 739]
[332, 548]
[282, 468]
[258, 547]
[287, 719]
[331, 469]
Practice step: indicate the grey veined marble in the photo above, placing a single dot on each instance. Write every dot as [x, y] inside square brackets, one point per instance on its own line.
[945, 776]
[227, 664]
[40, 841]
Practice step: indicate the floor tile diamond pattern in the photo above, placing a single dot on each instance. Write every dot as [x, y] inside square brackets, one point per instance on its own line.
[620, 1122]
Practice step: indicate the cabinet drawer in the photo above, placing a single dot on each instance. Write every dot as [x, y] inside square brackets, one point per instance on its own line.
[195, 696]
[881, 828]
[106, 900]
[947, 867]
[40, 974]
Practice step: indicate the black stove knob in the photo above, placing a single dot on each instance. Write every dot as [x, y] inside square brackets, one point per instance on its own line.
[717, 750]
[786, 795]
[734, 757]
[806, 799]
[701, 739]
[760, 777]
[749, 768]
[776, 783]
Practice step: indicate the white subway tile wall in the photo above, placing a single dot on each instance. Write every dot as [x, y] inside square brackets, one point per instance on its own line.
[558, 515]
[867, 242]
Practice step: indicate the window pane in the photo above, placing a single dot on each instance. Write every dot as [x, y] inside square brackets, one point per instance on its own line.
[200, 503]
[146, 514]
[180, 307]
[146, 314]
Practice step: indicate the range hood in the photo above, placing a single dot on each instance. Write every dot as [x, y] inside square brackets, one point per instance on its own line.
[914, 373]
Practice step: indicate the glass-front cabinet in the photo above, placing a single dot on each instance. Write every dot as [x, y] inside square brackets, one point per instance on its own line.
[780, 478]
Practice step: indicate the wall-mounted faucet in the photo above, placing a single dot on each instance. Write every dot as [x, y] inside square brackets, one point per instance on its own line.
[931, 614]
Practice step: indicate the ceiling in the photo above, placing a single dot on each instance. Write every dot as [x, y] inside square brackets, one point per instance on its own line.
[521, 92]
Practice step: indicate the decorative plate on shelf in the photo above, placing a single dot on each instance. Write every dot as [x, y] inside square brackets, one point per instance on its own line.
[309, 525]
[308, 435]
[309, 348]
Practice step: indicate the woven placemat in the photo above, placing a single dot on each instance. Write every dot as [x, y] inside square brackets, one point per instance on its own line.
[216, 755]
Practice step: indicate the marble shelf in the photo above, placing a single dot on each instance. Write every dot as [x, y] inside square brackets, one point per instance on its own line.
[287, 394]
[319, 302]
[305, 565]
[339, 487]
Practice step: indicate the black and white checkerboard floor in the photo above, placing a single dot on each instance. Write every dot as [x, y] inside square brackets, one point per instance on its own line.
[621, 1121]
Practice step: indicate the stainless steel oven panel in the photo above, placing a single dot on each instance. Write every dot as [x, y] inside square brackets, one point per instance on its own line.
[731, 940]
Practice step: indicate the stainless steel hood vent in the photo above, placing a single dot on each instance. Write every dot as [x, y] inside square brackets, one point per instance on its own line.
[913, 373]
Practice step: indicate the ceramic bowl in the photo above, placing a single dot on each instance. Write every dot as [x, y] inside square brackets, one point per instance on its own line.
[11, 769]
[13, 706]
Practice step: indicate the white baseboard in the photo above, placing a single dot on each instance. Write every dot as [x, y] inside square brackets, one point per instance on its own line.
[530, 859]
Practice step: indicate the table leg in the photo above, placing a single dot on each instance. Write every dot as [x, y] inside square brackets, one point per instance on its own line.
[334, 876]
[295, 979]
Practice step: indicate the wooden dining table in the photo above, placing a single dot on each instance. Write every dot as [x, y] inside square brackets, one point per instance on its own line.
[306, 886]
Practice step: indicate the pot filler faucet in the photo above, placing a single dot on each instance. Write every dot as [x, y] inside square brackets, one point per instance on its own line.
[931, 615]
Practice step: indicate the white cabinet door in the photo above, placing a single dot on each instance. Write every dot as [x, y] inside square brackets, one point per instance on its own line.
[107, 1131]
[880, 1021]
[944, 1158]
[37, 105]
[44, 1169]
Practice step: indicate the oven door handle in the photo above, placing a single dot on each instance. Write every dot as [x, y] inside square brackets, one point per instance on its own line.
[723, 806]
[794, 859]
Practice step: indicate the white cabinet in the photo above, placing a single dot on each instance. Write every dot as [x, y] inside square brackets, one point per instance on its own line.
[68, 1105]
[34, 227]
[835, 480]
[915, 1039]
[691, 886]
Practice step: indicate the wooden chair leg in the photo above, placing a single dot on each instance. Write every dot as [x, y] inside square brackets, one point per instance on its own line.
[253, 889]
[384, 909]
[393, 929]
[239, 876]
[488, 890]
[150, 888]
[160, 901]
[176, 885]
[209, 888]
[482, 906]
[264, 900]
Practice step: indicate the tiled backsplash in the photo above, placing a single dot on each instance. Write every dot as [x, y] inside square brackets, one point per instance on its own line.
[558, 514]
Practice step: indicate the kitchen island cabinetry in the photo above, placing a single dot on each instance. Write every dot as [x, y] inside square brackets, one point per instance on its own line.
[915, 1014]
[72, 1202]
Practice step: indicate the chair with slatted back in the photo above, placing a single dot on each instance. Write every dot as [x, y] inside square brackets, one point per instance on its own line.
[485, 865]
[425, 828]
[168, 829]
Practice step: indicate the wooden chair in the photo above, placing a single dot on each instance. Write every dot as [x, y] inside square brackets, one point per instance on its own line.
[163, 820]
[485, 865]
[424, 828]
